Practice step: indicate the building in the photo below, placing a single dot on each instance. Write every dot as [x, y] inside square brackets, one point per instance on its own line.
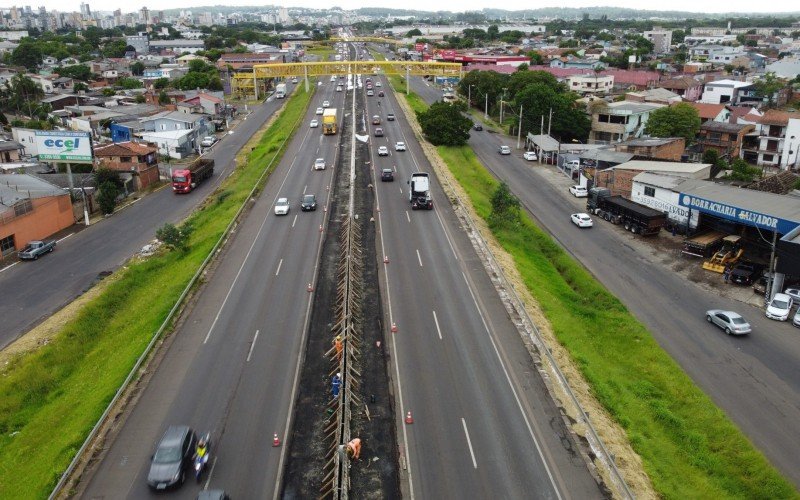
[619, 179]
[11, 151]
[662, 192]
[661, 40]
[656, 95]
[730, 91]
[777, 130]
[788, 67]
[178, 46]
[715, 54]
[590, 84]
[203, 103]
[13, 36]
[248, 59]
[172, 143]
[654, 148]
[30, 209]
[620, 121]
[139, 42]
[725, 138]
[133, 160]
[711, 112]
[685, 86]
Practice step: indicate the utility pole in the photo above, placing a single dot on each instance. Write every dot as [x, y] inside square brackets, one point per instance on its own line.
[486, 108]
[408, 80]
[519, 127]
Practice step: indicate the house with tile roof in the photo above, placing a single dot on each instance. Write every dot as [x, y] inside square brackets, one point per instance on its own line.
[134, 160]
[711, 112]
[725, 138]
[685, 86]
[779, 139]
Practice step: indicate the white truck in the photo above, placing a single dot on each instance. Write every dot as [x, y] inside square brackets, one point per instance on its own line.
[280, 91]
[420, 192]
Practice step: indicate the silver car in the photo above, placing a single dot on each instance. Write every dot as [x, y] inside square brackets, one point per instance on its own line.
[731, 322]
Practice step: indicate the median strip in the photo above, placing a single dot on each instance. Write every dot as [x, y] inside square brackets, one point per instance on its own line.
[52, 397]
[687, 445]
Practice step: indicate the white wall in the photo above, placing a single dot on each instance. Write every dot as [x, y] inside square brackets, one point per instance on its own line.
[665, 200]
[790, 157]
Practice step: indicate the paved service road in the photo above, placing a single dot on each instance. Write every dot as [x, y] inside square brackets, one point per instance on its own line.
[754, 379]
[31, 291]
[484, 426]
[232, 364]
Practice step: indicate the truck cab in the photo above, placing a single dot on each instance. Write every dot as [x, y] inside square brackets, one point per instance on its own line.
[420, 192]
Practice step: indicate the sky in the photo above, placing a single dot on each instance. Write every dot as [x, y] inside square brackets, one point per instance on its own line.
[709, 6]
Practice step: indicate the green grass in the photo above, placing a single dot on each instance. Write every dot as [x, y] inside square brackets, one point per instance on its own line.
[52, 397]
[321, 51]
[689, 447]
[377, 55]
[398, 83]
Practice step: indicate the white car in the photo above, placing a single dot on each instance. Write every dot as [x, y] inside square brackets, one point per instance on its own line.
[314, 123]
[581, 220]
[504, 150]
[339, 88]
[320, 111]
[294, 80]
[333, 78]
[733, 323]
[319, 164]
[780, 307]
[530, 156]
[400, 146]
[579, 191]
[282, 206]
[326, 104]
[383, 151]
[208, 141]
[794, 293]
[378, 83]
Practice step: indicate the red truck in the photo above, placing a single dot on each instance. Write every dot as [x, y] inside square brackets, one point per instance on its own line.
[186, 179]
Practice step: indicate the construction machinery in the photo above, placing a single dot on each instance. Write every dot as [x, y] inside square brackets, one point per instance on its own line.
[730, 252]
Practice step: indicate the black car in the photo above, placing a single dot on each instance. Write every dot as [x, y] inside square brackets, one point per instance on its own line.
[390, 117]
[309, 202]
[380, 93]
[478, 127]
[172, 457]
[387, 175]
[745, 273]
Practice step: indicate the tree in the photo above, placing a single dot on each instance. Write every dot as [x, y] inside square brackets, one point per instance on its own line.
[27, 54]
[104, 175]
[173, 237]
[519, 80]
[129, 83]
[767, 86]
[163, 98]
[21, 94]
[80, 86]
[742, 171]
[107, 197]
[536, 58]
[538, 100]
[414, 32]
[680, 120]
[712, 157]
[505, 208]
[493, 32]
[80, 72]
[137, 68]
[445, 125]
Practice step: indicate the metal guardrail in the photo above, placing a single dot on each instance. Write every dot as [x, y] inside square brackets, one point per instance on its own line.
[593, 438]
[157, 335]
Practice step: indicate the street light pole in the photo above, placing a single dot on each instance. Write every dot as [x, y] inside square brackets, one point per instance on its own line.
[486, 108]
[519, 127]
[469, 95]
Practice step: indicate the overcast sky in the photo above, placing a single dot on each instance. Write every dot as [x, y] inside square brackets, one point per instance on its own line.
[452, 5]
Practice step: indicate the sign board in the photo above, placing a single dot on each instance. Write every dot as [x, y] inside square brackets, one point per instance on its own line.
[419, 47]
[66, 147]
[448, 54]
[736, 214]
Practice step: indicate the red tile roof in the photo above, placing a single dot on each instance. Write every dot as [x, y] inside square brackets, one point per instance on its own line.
[707, 111]
[124, 149]
[777, 117]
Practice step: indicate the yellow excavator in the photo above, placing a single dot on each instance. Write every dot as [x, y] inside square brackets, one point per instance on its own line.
[727, 255]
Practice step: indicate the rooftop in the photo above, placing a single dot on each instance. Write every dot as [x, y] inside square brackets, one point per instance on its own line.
[775, 205]
[15, 188]
[731, 128]
[729, 83]
[674, 167]
[777, 117]
[629, 107]
[706, 110]
[124, 149]
[649, 141]
[662, 180]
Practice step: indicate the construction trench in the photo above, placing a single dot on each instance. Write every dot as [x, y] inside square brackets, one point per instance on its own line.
[346, 304]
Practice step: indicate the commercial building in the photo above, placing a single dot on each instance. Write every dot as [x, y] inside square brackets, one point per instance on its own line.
[620, 121]
[661, 39]
[619, 179]
[132, 160]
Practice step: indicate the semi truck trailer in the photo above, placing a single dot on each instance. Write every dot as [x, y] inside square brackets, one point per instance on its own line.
[636, 218]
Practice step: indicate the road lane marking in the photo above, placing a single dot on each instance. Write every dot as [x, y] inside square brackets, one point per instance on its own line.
[436, 320]
[401, 190]
[278, 271]
[9, 266]
[64, 238]
[408, 216]
[252, 345]
[294, 220]
[304, 188]
[419, 258]
[469, 443]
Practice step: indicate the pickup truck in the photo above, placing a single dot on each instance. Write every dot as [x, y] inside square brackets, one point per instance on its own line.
[35, 249]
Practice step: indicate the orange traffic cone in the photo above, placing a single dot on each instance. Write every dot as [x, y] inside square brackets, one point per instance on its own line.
[277, 442]
[394, 327]
[310, 288]
[409, 418]
[385, 259]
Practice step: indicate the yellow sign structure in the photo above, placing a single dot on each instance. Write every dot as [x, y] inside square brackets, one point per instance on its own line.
[254, 82]
[370, 39]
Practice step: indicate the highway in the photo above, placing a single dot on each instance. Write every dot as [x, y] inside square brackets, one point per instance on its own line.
[232, 364]
[32, 291]
[754, 379]
[484, 426]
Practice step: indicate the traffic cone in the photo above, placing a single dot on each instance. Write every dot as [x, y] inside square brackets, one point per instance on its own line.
[409, 418]
[310, 288]
[277, 442]
[320, 228]
[385, 259]
[394, 327]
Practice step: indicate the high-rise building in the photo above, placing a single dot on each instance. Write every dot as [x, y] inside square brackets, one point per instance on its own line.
[144, 16]
[661, 39]
[15, 14]
[283, 15]
[85, 10]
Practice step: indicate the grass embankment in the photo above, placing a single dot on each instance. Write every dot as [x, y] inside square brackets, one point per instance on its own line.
[377, 55]
[321, 51]
[52, 397]
[398, 83]
[689, 447]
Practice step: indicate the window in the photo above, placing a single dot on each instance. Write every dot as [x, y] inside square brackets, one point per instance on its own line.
[124, 159]
[23, 207]
[7, 245]
[649, 191]
[768, 158]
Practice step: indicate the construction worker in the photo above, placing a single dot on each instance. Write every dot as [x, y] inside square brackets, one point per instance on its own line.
[354, 449]
[336, 385]
[337, 342]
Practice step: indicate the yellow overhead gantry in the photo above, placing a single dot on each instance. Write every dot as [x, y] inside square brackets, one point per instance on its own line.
[371, 39]
[254, 82]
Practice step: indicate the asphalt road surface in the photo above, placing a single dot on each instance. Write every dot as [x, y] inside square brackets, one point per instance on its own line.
[231, 367]
[484, 426]
[31, 291]
[755, 379]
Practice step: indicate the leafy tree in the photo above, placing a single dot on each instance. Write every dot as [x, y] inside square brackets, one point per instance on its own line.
[445, 125]
[520, 79]
[680, 120]
[80, 72]
[173, 237]
[129, 83]
[137, 68]
[199, 66]
[718, 163]
[539, 99]
[505, 208]
[107, 197]
[106, 175]
[115, 48]
[493, 32]
[414, 32]
[140, 99]
[484, 83]
[767, 86]
[163, 98]
[742, 171]
[161, 83]
[21, 94]
[27, 54]
[108, 91]
[536, 58]
[193, 80]
[678, 36]
[80, 86]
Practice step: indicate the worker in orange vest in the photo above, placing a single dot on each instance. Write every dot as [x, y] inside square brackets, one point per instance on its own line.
[354, 449]
[339, 346]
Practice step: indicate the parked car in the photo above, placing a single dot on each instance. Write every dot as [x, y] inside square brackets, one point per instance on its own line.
[477, 127]
[308, 202]
[780, 307]
[319, 111]
[578, 191]
[732, 323]
[383, 151]
[581, 220]
[282, 206]
[796, 320]
[794, 293]
[529, 155]
[504, 150]
[36, 248]
[172, 457]
[744, 273]
[208, 141]
[294, 80]
[319, 164]
[387, 175]
[314, 124]
[378, 132]
[400, 146]
[390, 117]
